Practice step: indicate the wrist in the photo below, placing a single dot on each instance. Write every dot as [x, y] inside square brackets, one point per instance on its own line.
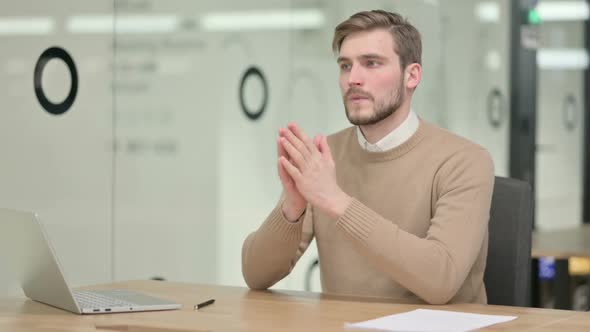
[290, 213]
[337, 207]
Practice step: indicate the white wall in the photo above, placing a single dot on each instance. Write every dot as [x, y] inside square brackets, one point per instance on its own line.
[60, 166]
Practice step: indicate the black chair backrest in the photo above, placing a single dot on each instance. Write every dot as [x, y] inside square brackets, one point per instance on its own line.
[508, 266]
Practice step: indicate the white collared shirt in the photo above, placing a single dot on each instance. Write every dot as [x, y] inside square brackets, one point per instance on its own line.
[395, 138]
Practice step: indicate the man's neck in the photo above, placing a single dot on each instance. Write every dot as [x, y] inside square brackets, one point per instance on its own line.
[375, 132]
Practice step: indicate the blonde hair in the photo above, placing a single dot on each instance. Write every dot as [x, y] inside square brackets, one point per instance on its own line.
[407, 40]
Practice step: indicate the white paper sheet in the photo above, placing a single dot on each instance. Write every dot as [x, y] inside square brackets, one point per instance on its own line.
[421, 320]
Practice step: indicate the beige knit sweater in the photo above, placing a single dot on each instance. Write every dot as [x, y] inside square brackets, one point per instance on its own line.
[416, 230]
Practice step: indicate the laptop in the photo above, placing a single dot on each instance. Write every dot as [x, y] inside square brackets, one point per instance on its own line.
[26, 252]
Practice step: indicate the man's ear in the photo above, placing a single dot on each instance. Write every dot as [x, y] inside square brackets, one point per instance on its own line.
[413, 75]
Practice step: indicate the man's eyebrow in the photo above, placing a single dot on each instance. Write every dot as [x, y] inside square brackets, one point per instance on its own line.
[363, 56]
[341, 59]
[372, 56]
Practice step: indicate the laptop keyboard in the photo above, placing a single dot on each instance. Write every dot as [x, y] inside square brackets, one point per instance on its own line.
[87, 299]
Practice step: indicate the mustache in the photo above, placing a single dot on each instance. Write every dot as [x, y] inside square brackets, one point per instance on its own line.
[356, 91]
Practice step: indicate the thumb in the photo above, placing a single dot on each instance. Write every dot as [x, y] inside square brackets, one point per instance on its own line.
[324, 147]
[317, 140]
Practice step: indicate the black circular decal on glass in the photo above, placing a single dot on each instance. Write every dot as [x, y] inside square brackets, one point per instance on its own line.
[48, 55]
[253, 73]
[495, 108]
[570, 106]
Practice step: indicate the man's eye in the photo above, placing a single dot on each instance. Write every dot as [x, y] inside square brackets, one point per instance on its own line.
[345, 66]
[372, 63]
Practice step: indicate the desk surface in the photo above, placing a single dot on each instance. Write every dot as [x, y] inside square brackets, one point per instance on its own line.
[564, 243]
[238, 309]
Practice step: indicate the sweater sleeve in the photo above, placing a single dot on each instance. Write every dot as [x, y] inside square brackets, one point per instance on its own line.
[270, 253]
[434, 267]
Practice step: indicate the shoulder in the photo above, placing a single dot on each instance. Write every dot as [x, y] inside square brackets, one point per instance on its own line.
[445, 137]
[450, 145]
[459, 159]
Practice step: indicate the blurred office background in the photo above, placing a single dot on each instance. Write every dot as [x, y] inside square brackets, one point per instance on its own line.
[166, 159]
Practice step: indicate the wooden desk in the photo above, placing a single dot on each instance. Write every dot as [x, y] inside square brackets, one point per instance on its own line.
[238, 309]
[561, 244]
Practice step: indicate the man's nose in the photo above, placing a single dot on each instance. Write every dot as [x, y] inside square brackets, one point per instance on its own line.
[356, 76]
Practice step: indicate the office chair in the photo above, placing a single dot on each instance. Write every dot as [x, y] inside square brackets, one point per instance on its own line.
[508, 265]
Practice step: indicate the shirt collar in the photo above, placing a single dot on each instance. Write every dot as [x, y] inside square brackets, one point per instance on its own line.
[395, 138]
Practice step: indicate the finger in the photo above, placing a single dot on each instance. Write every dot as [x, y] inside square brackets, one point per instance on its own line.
[317, 141]
[298, 132]
[325, 148]
[286, 180]
[282, 132]
[297, 143]
[291, 169]
[293, 153]
[280, 149]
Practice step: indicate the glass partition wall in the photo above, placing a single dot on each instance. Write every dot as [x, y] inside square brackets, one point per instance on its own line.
[144, 132]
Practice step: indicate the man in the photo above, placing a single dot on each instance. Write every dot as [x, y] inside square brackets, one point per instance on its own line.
[399, 207]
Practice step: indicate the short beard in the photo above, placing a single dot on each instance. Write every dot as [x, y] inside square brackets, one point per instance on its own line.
[382, 110]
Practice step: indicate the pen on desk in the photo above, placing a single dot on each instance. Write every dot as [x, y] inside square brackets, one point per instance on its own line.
[204, 304]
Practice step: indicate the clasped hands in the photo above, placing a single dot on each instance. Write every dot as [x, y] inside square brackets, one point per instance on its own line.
[308, 174]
